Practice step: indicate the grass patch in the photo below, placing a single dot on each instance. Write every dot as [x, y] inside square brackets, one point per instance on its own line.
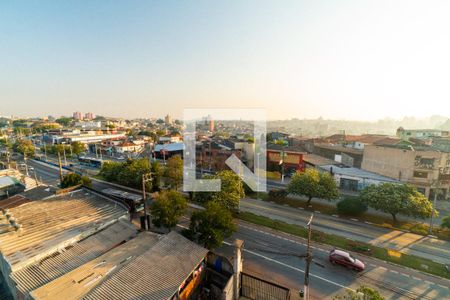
[413, 227]
[99, 177]
[410, 261]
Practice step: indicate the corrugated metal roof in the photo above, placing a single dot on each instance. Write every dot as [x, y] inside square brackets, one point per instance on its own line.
[79, 282]
[48, 224]
[71, 257]
[154, 275]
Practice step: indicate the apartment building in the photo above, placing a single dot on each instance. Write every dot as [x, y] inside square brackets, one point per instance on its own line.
[422, 166]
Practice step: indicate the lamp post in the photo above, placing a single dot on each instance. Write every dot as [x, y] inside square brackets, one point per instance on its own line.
[308, 260]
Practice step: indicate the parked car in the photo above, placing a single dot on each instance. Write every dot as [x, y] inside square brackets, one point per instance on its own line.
[346, 259]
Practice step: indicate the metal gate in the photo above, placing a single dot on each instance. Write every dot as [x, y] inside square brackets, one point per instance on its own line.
[259, 289]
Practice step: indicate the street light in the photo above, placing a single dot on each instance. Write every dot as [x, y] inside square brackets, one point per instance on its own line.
[308, 260]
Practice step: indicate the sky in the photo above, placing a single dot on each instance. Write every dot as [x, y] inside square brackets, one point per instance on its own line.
[356, 60]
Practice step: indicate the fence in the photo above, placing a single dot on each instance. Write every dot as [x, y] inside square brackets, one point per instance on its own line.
[256, 288]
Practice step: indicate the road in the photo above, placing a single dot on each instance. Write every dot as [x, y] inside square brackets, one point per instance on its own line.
[274, 256]
[427, 247]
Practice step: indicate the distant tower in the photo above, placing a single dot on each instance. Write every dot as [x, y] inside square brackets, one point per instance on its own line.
[168, 119]
[78, 115]
[211, 124]
[89, 116]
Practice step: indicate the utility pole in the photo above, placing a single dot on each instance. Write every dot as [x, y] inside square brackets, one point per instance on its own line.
[60, 167]
[25, 159]
[146, 178]
[64, 151]
[308, 259]
[430, 231]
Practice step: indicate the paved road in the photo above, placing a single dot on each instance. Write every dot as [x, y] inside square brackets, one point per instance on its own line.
[273, 255]
[431, 248]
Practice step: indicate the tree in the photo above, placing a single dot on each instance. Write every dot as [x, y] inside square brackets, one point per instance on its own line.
[168, 208]
[73, 179]
[230, 194]
[64, 121]
[446, 222]
[128, 173]
[174, 171]
[25, 147]
[351, 206]
[77, 148]
[397, 199]
[313, 184]
[362, 293]
[157, 173]
[212, 225]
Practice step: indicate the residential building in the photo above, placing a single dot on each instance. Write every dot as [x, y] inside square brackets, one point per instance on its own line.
[168, 119]
[354, 179]
[282, 157]
[406, 134]
[127, 147]
[422, 166]
[347, 156]
[89, 124]
[78, 115]
[89, 116]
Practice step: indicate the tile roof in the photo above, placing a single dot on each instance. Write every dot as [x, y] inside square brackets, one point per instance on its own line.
[44, 226]
[72, 256]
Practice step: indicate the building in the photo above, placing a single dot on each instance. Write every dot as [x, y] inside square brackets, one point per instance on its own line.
[127, 147]
[289, 158]
[211, 155]
[89, 116]
[353, 179]
[34, 230]
[77, 115]
[168, 119]
[406, 134]
[81, 245]
[422, 166]
[348, 156]
[82, 137]
[89, 125]
[165, 151]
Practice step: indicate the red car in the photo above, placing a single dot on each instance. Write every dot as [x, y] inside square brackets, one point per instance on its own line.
[346, 259]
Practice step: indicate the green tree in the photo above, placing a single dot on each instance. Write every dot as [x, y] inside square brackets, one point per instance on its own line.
[446, 222]
[174, 171]
[397, 199]
[25, 147]
[313, 184]
[77, 148]
[157, 172]
[64, 121]
[167, 209]
[351, 206]
[211, 226]
[362, 293]
[230, 194]
[73, 179]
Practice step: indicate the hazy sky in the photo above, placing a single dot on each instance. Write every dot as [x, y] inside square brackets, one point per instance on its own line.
[335, 59]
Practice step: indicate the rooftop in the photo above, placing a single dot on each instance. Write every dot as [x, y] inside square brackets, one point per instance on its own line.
[72, 256]
[355, 172]
[149, 266]
[35, 229]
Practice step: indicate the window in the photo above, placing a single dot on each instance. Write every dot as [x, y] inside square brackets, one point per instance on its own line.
[419, 174]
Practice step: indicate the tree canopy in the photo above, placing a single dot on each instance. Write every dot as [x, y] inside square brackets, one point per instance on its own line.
[174, 172]
[25, 147]
[313, 184]
[73, 179]
[211, 226]
[167, 209]
[362, 293]
[128, 173]
[78, 148]
[230, 194]
[446, 222]
[397, 199]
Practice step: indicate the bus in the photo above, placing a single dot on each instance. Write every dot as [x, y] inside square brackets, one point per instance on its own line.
[90, 162]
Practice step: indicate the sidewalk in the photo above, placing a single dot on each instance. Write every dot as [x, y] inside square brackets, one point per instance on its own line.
[408, 243]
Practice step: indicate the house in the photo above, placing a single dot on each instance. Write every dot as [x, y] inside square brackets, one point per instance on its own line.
[127, 147]
[420, 165]
[289, 158]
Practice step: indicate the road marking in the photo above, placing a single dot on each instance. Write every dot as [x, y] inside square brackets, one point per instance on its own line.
[293, 268]
[393, 271]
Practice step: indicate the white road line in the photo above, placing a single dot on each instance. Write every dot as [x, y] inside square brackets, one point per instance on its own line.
[393, 271]
[294, 268]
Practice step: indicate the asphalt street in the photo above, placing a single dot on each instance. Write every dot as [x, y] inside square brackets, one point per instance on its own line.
[276, 256]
